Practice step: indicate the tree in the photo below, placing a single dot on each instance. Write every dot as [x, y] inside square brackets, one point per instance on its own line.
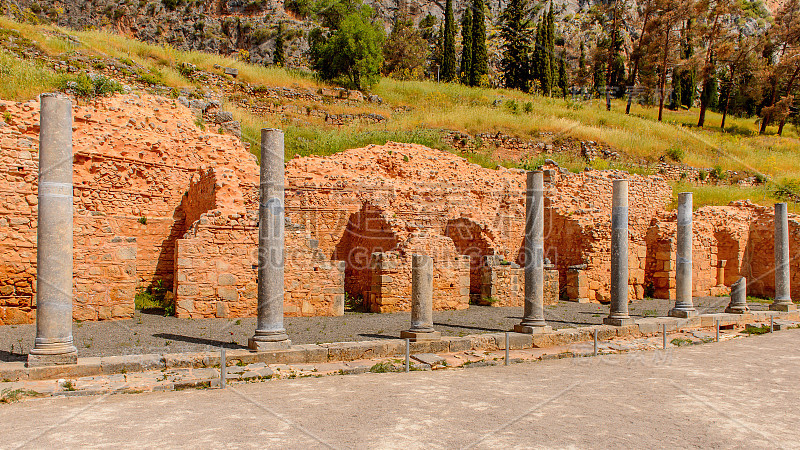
[550, 39]
[782, 77]
[279, 57]
[405, 51]
[637, 54]
[480, 64]
[563, 81]
[449, 50]
[516, 35]
[719, 40]
[353, 51]
[613, 53]
[666, 15]
[466, 45]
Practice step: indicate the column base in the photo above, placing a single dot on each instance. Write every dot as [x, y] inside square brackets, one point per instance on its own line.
[682, 313]
[619, 321]
[785, 307]
[737, 309]
[420, 336]
[263, 346]
[52, 360]
[532, 329]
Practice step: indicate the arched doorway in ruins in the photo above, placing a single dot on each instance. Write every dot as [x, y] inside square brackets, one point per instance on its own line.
[470, 240]
[367, 232]
[728, 250]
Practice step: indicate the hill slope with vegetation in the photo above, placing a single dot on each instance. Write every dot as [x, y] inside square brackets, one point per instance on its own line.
[320, 119]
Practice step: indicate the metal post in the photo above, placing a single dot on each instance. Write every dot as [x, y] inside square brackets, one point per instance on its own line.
[718, 331]
[506, 348]
[771, 324]
[595, 342]
[223, 368]
[408, 348]
[664, 335]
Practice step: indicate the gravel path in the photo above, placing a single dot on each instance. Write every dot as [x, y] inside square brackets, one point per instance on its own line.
[148, 333]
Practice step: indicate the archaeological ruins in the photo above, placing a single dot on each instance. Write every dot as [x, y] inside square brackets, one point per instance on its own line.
[150, 199]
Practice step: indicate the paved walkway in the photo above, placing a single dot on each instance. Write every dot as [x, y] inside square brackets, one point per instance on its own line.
[736, 393]
[148, 333]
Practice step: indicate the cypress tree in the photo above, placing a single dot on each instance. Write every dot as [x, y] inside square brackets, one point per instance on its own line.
[466, 45]
[582, 64]
[279, 57]
[551, 45]
[537, 59]
[449, 50]
[516, 46]
[480, 65]
[562, 74]
[545, 71]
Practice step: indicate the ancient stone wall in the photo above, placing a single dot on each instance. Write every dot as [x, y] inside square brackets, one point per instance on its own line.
[391, 283]
[216, 271]
[134, 158]
[503, 283]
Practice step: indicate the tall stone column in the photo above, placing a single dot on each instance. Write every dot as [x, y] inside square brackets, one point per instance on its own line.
[421, 301]
[533, 315]
[683, 275]
[783, 285]
[270, 333]
[618, 314]
[53, 344]
[738, 304]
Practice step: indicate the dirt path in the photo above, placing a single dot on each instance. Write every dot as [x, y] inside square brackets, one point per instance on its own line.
[731, 394]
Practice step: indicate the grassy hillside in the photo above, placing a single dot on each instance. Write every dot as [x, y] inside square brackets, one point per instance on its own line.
[417, 111]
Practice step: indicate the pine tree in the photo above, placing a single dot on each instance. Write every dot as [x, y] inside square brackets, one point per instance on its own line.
[449, 51]
[515, 32]
[279, 57]
[480, 65]
[466, 45]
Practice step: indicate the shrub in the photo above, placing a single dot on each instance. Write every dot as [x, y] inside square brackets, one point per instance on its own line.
[676, 154]
[528, 107]
[151, 78]
[702, 175]
[718, 173]
[87, 86]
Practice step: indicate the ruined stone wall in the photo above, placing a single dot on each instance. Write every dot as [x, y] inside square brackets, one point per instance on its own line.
[104, 270]
[758, 259]
[578, 226]
[134, 158]
[503, 284]
[216, 271]
[391, 283]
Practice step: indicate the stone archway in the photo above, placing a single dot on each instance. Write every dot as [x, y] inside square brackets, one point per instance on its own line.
[728, 250]
[367, 232]
[470, 240]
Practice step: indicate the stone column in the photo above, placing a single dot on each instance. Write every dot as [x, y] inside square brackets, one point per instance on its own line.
[53, 344]
[270, 334]
[738, 304]
[533, 315]
[721, 272]
[618, 315]
[683, 267]
[421, 301]
[783, 284]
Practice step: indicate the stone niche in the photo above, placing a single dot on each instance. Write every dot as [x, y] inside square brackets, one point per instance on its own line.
[503, 283]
